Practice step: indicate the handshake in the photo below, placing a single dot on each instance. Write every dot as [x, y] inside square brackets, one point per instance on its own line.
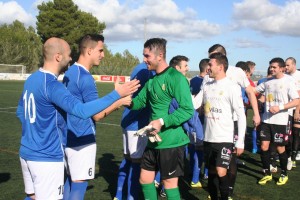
[146, 132]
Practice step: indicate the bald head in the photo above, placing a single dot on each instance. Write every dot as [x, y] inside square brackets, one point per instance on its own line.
[54, 46]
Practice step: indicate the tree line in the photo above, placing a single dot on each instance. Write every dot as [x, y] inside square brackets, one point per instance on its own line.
[63, 19]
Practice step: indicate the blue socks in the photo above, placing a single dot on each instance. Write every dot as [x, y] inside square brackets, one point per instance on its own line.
[122, 175]
[133, 181]
[254, 147]
[67, 188]
[78, 190]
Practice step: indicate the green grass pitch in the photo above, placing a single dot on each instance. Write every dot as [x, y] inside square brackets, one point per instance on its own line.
[109, 156]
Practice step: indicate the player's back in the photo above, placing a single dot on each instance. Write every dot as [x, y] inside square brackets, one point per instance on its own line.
[41, 127]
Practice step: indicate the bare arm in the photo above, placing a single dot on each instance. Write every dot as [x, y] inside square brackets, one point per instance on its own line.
[253, 101]
[115, 106]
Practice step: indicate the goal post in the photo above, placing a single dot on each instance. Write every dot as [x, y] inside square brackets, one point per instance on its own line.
[13, 69]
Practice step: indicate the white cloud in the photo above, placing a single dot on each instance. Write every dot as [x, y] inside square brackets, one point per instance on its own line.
[164, 19]
[12, 11]
[247, 43]
[268, 18]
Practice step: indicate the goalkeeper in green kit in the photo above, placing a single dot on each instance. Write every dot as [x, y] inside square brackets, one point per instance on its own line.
[165, 155]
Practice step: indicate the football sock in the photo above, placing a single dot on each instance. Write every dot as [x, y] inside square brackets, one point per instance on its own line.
[149, 191]
[232, 172]
[173, 194]
[28, 198]
[194, 164]
[67, 188]
[205, 171]
[212, 186]
[133, 181]
[254, 139]
[224, 187]
[78, 190]
[283, 162]
[295, 142]
[157, 177]
[122, 175]
[265, 159]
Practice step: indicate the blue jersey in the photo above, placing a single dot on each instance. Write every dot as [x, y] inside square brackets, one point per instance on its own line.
[42, 123]
[195, 84]
[81, 84]
[133, 120]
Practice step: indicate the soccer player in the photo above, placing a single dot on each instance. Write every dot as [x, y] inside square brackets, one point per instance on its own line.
[166, 156]
[39, 110]
[290, 64]
[221, 98]
[81, 141]
[133, 146]
[281, 94]
[193, 127]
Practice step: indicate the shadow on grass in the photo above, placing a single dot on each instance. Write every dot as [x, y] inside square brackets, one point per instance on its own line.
[4, 177]
[108, 169]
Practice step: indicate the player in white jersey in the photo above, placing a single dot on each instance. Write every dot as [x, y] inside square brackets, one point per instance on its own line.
[281, 94]
[40, 112]
[220, 98]
[237, 76]
[290, 64]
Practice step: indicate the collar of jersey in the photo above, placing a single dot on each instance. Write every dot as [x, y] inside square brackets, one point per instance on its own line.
[76, 63]
[45, 71]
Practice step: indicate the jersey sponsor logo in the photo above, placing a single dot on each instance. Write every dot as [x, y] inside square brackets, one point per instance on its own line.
[279, 137]
[209, 109]
[262, 134]
[163, 87]
[170, 173]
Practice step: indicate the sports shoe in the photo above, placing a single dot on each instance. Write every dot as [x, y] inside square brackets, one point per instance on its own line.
[273, 169]
[282, 180]
[208, 197]
[265, 179]
[230, 198]
[298, 156]
[115, 198]
[294, 164]
[162, 194]
[196, 185]
[289, 164]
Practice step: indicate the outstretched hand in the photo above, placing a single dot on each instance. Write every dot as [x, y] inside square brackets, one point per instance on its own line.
[127, 88]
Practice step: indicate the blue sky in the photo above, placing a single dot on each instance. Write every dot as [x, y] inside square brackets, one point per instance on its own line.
[256, 30]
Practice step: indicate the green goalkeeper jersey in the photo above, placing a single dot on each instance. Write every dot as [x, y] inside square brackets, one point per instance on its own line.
[158, 93]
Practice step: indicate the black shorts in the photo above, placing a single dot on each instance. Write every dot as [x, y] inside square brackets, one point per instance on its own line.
[218, 154]
[274, 133]
[170, 162]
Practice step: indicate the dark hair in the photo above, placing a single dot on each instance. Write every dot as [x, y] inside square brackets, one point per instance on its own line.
[243, 65]
[269, 71]
[251, 64]
[217, 48]
[177, 59]
[203, 64]
[221, 59]
[89, 41]
[278, 60]
[158, 45]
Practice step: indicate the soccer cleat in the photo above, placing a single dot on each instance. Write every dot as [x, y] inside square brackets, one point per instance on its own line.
[289, 164]
[115, 198]
[230, 198]
[294, 164]
[265, 179]
[208, 197]
[273, 169]
[196, 185]
[298, 156]
[282, 180]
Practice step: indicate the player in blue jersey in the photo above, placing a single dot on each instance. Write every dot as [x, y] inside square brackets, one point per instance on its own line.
[132, 121]
[81, 141]
[39, 110]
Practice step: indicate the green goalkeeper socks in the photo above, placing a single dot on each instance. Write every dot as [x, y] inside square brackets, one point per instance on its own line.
[149, 191]
[173, 194]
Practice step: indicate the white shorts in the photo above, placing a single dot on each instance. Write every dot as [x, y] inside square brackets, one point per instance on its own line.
[134, 145]
[44, 179]
[81, 161]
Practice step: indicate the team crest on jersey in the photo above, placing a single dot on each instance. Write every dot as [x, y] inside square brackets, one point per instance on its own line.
[270, 98]
[207, 108]
[163, 87]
